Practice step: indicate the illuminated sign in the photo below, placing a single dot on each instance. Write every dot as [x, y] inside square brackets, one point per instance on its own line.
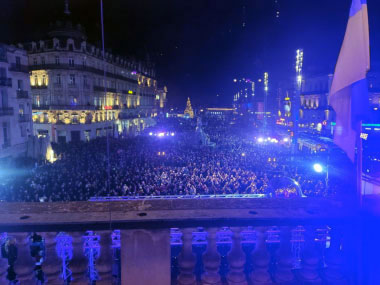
[107, 107]
[130, 92]
[364, 136]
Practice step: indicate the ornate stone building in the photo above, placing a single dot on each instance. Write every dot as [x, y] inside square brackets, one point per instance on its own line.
[15, 102]
[78, 96]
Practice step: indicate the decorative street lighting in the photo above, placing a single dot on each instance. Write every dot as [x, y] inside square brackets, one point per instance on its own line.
[297, 95]
[266, 88]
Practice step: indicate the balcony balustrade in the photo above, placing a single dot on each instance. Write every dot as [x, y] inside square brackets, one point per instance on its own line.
[24, 118]
[43, 86]
[101, 89]
[81, 68]
[19, 68]
[6, 82]
[64, 107]
[22, 94]
[6, 111]
[183, 241]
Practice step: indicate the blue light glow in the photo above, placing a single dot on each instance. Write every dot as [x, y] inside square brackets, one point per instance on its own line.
[318, 168]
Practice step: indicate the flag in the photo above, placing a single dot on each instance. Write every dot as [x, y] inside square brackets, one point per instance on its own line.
[349, 89]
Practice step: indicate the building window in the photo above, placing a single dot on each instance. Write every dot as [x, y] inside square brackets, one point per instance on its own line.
[85, 81]
[58, 79]
[37, 100]
[18, 61]
[20, 84]
[43, 60]
[44, 80]
[23, 131]
[35, 80]
[57, 61]
[71, 61]
[4, 99]
[72, 79]
[84, 62]
[21, 109]
[34, 61]
[5, 133]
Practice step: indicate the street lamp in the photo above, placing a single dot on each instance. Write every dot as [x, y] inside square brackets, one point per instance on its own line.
[318, 168]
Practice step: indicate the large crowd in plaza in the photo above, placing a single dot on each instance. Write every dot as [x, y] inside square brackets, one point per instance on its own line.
[153, 166]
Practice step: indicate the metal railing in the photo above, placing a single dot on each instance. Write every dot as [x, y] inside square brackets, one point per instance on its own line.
[19, 68]
[44, 86]
[7, 82]
[24, 118]
[6, 144]
[6, 111]
[22, 94]
[81, 68]
[101, 89]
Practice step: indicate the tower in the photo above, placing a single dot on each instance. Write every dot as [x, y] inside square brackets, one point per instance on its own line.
[189, 110]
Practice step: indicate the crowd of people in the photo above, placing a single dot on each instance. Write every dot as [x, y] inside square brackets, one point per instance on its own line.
[153, 166]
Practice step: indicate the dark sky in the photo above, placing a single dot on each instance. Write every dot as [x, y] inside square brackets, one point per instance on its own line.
[200, 46]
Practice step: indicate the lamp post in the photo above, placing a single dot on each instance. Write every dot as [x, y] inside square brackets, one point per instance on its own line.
[266, 88]
[297, 95]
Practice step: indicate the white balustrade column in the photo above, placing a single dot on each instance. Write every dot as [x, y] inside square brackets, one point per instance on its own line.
[104, 263]
[145, 257]
[186, 259]
[211, 260]
[236, 260]
[261, 260]
[334, 272]
[24, 266]
[308, 274]
[3, 266]
[284, 258]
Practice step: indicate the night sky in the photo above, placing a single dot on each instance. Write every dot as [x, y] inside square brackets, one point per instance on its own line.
[200, 46]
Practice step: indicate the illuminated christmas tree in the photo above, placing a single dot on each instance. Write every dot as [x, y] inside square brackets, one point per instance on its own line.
[189, 110]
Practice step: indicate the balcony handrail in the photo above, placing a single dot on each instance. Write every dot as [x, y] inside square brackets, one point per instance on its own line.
[80, 67]
[22, 118]
[43, 86]
[64, 107]
[6, 111]
[173, 213]
[4, 81]
[19, 68]
[22, 94]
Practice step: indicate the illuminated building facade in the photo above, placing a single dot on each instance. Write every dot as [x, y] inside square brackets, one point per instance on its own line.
[244, 94]
[72, 97]
[315, 112]
[15, 102]
[161, 98]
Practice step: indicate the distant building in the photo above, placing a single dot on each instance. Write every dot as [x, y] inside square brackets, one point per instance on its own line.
[315, 112]
[15, 102]
[220, 113]
[254, 97]
[189, 110]
[161, 98]
[73, 100]
[244, 94]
